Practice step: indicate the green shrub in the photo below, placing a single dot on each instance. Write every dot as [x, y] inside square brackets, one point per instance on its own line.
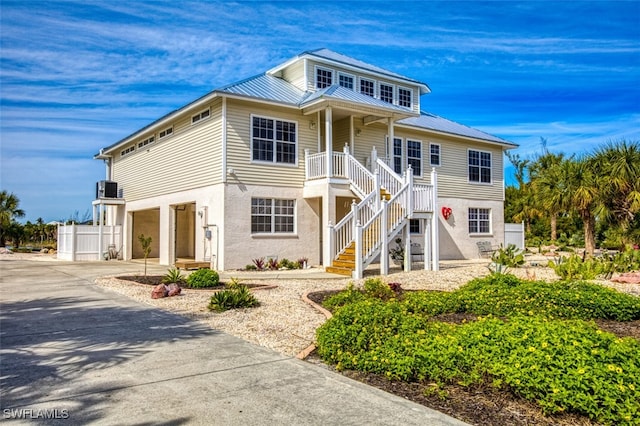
[173, 275]
[505, 258]
[240, 297]
[577, 300]
[288, 264]
[251, 267]
[562, 365]
[575, 268]
[375, 287]
[347, 296]
[203, 278]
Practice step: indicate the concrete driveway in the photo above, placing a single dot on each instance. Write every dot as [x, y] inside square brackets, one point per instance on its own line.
[73, 353]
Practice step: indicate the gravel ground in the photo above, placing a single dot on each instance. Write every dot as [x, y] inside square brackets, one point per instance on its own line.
[283, 321]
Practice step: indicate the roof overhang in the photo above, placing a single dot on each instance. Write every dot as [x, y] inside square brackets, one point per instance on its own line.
[506, 145]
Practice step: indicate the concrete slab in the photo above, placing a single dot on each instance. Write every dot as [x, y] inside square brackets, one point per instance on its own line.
[80, 354]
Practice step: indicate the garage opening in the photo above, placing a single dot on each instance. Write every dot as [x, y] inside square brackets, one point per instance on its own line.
[185, 231]
[146, 222]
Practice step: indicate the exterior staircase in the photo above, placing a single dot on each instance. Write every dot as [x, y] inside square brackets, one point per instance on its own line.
[345, 263]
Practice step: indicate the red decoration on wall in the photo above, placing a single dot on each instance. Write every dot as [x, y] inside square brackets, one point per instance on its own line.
[446, 212]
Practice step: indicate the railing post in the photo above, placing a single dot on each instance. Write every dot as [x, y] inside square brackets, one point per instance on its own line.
[377, 188]
[306, 164]
[332, 244]
[73, 242]
[354, 215]
[435, 255]
[410, 192]
[384, 239]
[407, 247]
[358, 273]
[374, 157]
[345, 159]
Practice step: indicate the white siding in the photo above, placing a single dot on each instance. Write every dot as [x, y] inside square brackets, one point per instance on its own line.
[294, 74]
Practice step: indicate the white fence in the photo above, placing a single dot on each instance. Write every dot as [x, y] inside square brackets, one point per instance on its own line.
[514, 234]
[82, 242]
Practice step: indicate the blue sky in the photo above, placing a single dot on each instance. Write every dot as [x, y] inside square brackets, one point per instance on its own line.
[78, 76]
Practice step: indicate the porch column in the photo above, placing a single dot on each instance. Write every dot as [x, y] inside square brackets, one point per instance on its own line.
[352, 137]
[427, 243]
[167, 223]
[328, 137]
[390, 141]
[435, 258]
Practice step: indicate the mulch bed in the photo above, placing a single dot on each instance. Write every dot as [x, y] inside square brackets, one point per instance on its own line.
[480, 405]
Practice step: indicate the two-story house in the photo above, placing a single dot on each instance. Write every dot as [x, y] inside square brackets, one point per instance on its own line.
[322, 157]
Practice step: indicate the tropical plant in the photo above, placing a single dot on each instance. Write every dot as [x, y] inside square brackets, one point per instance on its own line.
[145, 243]
[259, 263]
[173, 275]
[9, 212]
[203, 278]
[240, 297]
[505, 258]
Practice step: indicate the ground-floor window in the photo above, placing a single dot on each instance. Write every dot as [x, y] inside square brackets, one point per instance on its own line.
[272, 216]
[414, 226]
[479, 221]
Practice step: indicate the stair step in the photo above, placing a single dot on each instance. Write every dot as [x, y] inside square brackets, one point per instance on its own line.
[338, 270]
[351, 264]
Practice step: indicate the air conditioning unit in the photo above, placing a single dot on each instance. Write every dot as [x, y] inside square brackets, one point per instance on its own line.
[106, 189]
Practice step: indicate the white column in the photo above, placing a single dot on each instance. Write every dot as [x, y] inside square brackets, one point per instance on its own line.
[166, 244]
[100, 230]
[384, 252]
[407, 247]
[427, 243]
[352, 135]
[328, 137]
[435, 244]
[390, 142]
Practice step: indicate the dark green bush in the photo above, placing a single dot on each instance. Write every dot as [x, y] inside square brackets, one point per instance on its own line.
[239, 297]
[349, 295]
[203, 278]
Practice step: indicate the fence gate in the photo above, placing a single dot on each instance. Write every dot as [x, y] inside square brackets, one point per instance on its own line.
[514, 234]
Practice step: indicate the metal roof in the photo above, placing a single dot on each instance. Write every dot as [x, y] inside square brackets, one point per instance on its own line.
[265, 86]
[342, 93]
[440, 124]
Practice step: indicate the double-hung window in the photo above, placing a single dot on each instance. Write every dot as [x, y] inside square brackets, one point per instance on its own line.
[414, 156]
[397, 155]
[479, 221]
[273, 140]
[479, 166]
[324, 78]
[434, 154]
[272, 216]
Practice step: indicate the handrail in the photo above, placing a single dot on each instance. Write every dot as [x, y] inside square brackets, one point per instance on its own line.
[361, 179]
[389, 179]
[315, 166]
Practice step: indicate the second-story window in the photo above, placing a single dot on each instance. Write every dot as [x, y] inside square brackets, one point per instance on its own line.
[147, 141]
[345, 80]
[200, 116]
[414, 156]
[404, 97]
[273, 140]
[397, 155]
[368, 87]
[386, 93]
[324, 78]
[479, 166]
[166, 132]
[434, 154]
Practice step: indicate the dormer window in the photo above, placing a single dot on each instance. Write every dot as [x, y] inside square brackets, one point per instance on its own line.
[324, 78]
[404, 97]
[346, 80]
[368, 87]
[386, 93]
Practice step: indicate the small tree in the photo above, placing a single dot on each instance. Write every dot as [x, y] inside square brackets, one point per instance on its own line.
[145, 242]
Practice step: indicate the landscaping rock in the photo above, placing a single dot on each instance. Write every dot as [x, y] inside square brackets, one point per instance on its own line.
[627, 277]
[174, 289]
[159, 292]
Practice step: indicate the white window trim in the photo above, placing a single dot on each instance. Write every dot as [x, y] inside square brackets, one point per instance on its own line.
[355, 80]
[491, 169]
[484, 234]
[398, 96]
[128, 150]
[315, 76]
[406, 149]
[375, 85]
[420, 230]
[148, 141]
[200, 118]
[274, 234]
[393, 92]
[274, 162]
[439, 155]
[165, 135]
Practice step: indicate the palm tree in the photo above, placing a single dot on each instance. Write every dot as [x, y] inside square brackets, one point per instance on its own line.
[617, 166]
[549, 187]
[9, 211]
[583, 192]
